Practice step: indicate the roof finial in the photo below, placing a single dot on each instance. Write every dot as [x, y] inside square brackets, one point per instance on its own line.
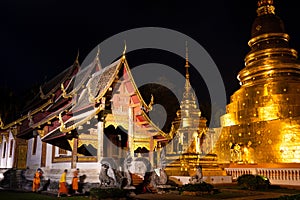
[61, 121]
[77, 57]
[42, 95]
[98, 53]
[265, 7]
[124, 51]
[187, 60]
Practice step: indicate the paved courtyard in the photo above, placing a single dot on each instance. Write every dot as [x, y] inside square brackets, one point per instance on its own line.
[241, 195]
[225, 193]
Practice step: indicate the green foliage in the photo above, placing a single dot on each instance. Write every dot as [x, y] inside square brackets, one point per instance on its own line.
[102, 193]
[253, 182]
[199, 187]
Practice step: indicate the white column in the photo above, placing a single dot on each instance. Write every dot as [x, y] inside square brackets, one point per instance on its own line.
[131, 131]
[100, 132]
[151, 151]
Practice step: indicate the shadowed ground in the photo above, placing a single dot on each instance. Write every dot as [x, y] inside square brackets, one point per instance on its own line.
[226, 192]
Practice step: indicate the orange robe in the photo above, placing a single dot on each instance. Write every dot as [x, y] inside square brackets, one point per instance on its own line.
[62, 184]
[36, 181]
[75, 181]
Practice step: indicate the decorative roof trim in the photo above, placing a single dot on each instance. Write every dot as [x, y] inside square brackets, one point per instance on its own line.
[65, 129]
[18, 121]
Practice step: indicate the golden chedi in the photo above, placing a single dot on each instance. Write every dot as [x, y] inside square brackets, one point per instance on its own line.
[262, 120]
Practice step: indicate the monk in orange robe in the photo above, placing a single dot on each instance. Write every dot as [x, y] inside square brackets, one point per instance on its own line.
[63, 184]
[75, 181]
[36, 183]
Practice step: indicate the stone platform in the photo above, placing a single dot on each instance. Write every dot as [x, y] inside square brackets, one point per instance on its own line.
[182, 180]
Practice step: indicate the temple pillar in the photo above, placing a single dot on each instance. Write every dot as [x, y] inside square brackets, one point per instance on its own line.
[131, 131]
[74, 153]
[151, 150]
[44, 154]
[158, 150]
[100, 130]
[44, 147]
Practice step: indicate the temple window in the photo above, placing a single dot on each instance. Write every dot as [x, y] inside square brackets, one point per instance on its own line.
[34, 145]
[4, 150]
[11, 147]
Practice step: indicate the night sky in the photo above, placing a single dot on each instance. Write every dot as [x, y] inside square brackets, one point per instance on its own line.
[39, 39]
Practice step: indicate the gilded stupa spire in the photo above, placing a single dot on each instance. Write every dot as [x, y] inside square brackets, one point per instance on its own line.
[187, 75]
[265, 7]
[269, 44]
[187, 60]
[188, 93]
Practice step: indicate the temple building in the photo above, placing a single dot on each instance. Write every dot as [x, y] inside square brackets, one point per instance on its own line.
[84, 117]
[261, 126]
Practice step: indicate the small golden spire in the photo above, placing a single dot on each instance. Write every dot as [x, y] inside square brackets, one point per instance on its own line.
[265, 7]
[187, 75]
[125, 47]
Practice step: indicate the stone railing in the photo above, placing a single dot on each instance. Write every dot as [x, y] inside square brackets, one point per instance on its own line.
[277, 176]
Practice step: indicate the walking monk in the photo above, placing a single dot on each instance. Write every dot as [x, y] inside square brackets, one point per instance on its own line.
[75, 181]
[63, 189]
[36, 183]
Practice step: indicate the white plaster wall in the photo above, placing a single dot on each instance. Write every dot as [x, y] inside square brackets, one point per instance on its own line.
[49, 156]
[10, 159]
[3, 160]
[34, 161]
[90, 169]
